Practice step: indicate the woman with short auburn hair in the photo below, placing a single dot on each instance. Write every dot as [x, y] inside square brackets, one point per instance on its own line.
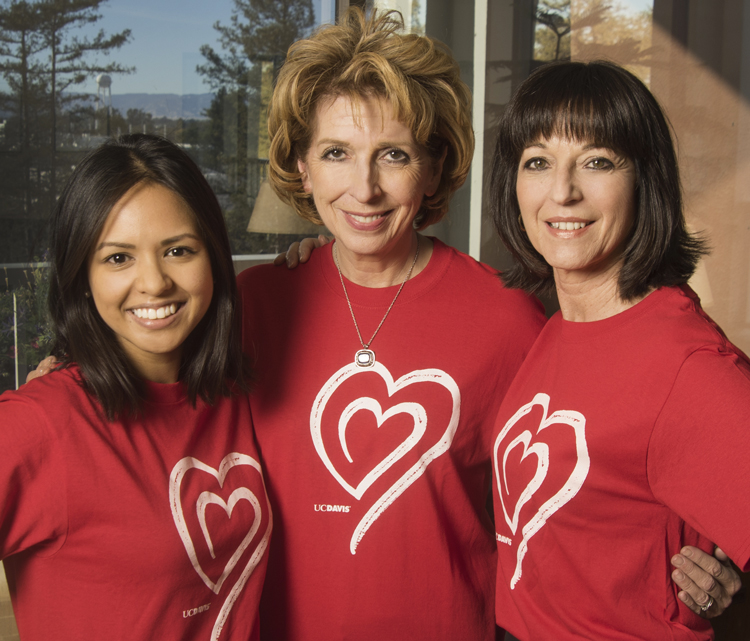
[624, 435]
[377, 378]
[357, 59]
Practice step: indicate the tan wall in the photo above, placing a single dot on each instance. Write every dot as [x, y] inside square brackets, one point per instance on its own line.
[695, 69]
[8, 629]
[697, 63]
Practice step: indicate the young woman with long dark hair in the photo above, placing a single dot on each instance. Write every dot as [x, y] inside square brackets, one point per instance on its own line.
[132, 499]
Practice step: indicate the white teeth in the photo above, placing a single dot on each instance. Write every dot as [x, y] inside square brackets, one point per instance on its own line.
[365, 219]
[567, 226]
[151, 313]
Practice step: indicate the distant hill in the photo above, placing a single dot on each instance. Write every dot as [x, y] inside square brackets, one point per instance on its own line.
[159, 105]
[164, 105]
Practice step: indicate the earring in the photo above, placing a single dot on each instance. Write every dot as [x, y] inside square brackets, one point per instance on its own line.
[87, 294]
[520, 224]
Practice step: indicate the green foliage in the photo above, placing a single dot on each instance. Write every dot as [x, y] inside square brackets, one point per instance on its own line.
[34, 333]
[42, 59]
[253, 47]
[260, 30]
[552, 41]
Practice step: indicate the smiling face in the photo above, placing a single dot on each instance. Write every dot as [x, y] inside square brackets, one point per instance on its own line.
[577, 203]
[150, 278]
[368, 177]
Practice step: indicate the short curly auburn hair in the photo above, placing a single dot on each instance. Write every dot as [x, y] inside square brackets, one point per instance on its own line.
[369, 56]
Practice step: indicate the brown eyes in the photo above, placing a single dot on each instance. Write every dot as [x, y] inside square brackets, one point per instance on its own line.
[535, 164]
[599, 163]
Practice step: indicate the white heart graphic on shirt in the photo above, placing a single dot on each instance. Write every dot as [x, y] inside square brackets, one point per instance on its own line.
[570, 488]
[208, 498]
[415, 410]
[541, 450]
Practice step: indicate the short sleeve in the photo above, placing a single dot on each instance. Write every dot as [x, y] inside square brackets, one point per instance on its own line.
[32, 479]
[698, 462]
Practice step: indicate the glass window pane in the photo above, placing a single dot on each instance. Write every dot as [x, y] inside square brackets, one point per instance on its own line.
[198, 73]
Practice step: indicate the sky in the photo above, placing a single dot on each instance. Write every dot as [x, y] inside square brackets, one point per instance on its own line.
[165, 42]
[639, 5]
[166, 39]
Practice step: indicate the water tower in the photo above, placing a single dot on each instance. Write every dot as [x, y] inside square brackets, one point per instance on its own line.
[104, 91]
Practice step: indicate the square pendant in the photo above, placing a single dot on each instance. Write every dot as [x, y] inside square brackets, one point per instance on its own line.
[364, 358]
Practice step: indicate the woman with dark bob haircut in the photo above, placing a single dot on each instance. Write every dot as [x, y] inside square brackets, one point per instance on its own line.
[627, 388]
[567, 97]
[133, 502]
[383, 362]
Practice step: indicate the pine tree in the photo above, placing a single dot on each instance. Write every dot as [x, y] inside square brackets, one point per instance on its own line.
[253, 47]
[43, 58]
[21, 42]
[264, 29]
[553, 30]
[70, 56]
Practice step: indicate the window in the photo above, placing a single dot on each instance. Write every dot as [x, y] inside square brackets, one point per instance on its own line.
[170, 68]
[183, 69]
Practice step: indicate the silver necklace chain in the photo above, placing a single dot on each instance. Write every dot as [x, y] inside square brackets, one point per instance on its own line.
[366, 357]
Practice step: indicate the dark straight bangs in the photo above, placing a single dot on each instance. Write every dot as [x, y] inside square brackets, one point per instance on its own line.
[603, 104]
[593, 103]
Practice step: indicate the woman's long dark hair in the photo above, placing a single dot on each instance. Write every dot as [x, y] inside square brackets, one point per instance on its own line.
[212, 360]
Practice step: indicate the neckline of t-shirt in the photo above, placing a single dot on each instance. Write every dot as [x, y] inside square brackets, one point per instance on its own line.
[572, 331]
[375, 297]
[165, 393]
[156, 393]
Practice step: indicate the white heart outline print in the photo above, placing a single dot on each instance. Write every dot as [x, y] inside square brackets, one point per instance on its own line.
[572, 485]
[175, 481]
[366, 403]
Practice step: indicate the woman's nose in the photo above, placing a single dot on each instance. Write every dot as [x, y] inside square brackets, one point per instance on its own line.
[364, 185]
[565, 189]
[152, 278]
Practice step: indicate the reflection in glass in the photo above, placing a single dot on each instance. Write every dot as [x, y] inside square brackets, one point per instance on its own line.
[64, 70]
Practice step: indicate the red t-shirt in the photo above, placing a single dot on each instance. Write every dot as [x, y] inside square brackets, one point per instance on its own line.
[620, 441]
[154, 528]
[379, 476]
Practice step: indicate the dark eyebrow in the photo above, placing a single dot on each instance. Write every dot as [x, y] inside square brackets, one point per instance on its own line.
[177, 239]
[540, 144]
[164, 243]
[118, 245]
